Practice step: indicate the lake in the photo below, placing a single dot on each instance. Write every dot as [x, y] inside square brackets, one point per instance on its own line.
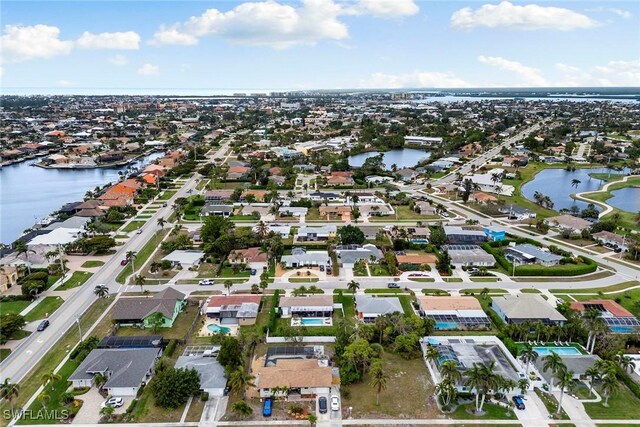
[626, 199]
[30, 193]
[401, 157]
[557, 184]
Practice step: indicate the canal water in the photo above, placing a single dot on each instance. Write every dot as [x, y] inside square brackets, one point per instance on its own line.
[402, 158]
[30, 193]
[558, 185]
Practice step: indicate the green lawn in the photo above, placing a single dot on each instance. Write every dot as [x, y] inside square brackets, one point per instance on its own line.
[95, 263]
[177, 331]
[485, 279]
[383, 291]
[491, 412]
[550, 403]
[618, 287]
[78, 278]
[303, 279]
[143, 255]
[422, 279]
[133, 226]
[623, 405]
[379, 270]
[452, 279]
[53, 278]
[436, 292]
[229, 272]
[4, 353]
[167, 195]
[45, 308]
[360, 270]
[14, 307]
[348, 304]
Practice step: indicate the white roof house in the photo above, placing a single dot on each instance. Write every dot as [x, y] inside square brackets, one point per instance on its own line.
[59, 236]
[369, 307]
[300, 257]
[184, 258]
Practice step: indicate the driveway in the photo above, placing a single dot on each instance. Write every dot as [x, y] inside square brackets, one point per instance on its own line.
[90, 411]
[534, 411]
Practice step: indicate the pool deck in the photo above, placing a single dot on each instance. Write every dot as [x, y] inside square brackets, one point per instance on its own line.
[297, 321]
[205, 332]
[551, 344]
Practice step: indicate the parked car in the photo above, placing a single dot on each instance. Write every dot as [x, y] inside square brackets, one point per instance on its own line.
[335, 403]
[472, 270]
[114, 402]
[322, 405]
[519, 402]
[559, 301]
[164, 205]
[266, 407]
[321, 267]
[254, 271]
[124, 262]
[205, 282]
[43, 325]
[392, 285]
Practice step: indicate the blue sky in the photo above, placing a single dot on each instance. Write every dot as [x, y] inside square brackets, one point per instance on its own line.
[318, 44]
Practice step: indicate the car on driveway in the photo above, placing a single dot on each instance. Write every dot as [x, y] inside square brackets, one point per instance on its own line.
[335, 403]
[43, 325]
[322, 405]
[266, 407]
[114, 402]
[519, 402]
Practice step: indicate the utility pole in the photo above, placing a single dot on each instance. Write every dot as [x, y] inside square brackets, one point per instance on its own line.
[79, 328]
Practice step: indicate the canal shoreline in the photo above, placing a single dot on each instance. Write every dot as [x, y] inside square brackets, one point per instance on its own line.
[95, 166]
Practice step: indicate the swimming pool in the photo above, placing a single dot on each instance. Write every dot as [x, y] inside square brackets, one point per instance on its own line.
[446, 325]
[565, 351]
[218, 329]
[620, 329]
[312, 321]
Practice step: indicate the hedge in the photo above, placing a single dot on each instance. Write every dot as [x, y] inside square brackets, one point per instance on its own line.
[632, 385]
[171, 347]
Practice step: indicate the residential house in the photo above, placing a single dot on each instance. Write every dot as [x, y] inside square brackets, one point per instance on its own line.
[494, 235]
[518, 308]
[213, 379]
[613, 240]
[335, 180]
[302, 378]
[370, 232]
[578, 364]
[254, 258]
[415, 260]
[126, 369]
[464, 236]
[307, 306]
[482, 198]
[217, 210]
[323, 196]
[368, 307]
[568, 222]
[316, 234]
[350, 254]
[330, 212]
[299, 212]
[516, 213]
[138, 311]
[238, 172]
[461, 312]
[8, 277]
[184, 258]
[470, 149]
[284, 230]
[423, 141]
[526, 253]
[407, 174]
[217, 196]
[239, 310]
[140, 341]
[424, 208]
[469, 256]
[618, 319]
[300, 257]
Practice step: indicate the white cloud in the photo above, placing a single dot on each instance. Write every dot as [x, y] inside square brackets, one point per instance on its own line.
[620, 12]
[22, 43]
[527, 76]
[527, 17]
[385, 8]
[129, 40]
[613, 73]
[149, 70]
[64, 83]
[279, 25]
[118, 60]
[416, 79]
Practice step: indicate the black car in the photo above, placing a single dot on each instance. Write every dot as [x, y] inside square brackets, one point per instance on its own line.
[43, 325]
[519, 402]
[322, 405]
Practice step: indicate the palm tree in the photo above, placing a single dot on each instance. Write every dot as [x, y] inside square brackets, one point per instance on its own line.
[523, 385]
[449, 370]
[21, 248]
[312, 418]
[99, 380]
[593, 373]
[484, 292]
[378, 379]
[44, 399]
[553, 362]
[475, 381]
[241, 408]
[262, 230]
[575, 183]
[626, 363]
[9, 391]
[240, 379]
[447, 391]
[565, 380]
[381, 324]
[107, 412]
[227, 285]
[609, 386]
[353, 286]
[131, 256]
[140, 280]
[594, 323]
[49, 378]
[162, 222]
[528, 355]
[101, 291]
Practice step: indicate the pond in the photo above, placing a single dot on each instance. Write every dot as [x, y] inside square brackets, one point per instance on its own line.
[558, 185]
[626, 199]
[402, 158]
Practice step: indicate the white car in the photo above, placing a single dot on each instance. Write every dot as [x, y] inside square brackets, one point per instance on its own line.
[335, 403]
[114, 402]
[205, 282]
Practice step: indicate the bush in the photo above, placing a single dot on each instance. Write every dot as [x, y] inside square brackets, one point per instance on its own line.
[40, 275]
[632, 385]
[11, 298]
[131, 406]
[204, 396]
[171, 347]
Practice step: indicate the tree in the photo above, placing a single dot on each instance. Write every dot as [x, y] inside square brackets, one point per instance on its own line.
[48, 378]
[239, 380]
[565, 380]
[241, 408]
[482, 378]
[575, 183]
[130, 256]
[350, 235]
[140, 280]
[101, 291]
[99, 380]
[359, 353]
[378, 379]
[528, 356]
[214, 227]
[227, 285]
[21, 248]
[523, 385]
[353, 286]
[162, 222]
[626, 363]
[172, 387]
[609, 386]
[443, 262]
[312, 418]
[107, 412]
[156, 320]
[9, 391]
[230, 355]
[10, 323]
[449, 370]
[447, 392]
[594, 373]
[553, 362]
[44, 399]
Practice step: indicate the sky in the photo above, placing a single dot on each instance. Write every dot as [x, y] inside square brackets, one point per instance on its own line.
[316, 44]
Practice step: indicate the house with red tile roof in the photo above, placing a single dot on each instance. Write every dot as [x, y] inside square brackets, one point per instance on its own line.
[618, 319]
[234, 309]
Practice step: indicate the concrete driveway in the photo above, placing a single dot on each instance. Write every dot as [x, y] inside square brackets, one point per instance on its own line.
[90, 411]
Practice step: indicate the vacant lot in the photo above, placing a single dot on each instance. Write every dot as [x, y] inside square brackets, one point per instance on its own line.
[409, 392]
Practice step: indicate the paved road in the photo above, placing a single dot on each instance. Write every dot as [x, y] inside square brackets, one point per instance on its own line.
[33, 348]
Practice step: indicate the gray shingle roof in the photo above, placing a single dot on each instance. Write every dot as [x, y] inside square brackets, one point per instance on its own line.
[211, 372]
[526, 306]
[381, 305]
[124, 367]
[139, 308]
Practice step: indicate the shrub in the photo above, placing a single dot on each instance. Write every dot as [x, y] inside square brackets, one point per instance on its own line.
[131, 406]
[204, 396]
[171, 347]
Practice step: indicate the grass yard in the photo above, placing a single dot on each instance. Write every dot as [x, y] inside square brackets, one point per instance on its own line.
[435, 292]
[360, 270]
[133, 226]
[4, 353]
[51, 280]
[491, 412]
[78, 278]
[195, 410]
[422, 279]
[167, 195]
[44, 309]
[303, 279]
[379, 270]
[452, 279]
[348, 304]
[14, 307]
[229, 272]
[550, 403]
[383, 291]
[146, 410]
[94, 263]
[177, 331]
[530, 291]
[485, 279]
[407, 378]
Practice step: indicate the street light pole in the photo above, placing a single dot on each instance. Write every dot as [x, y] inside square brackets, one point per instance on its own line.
[79, 328]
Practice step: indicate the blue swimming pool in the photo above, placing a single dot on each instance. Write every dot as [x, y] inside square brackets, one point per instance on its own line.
[565, 351]
[218, 329]
[311, 321]
[446, 325]
[620, 329]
